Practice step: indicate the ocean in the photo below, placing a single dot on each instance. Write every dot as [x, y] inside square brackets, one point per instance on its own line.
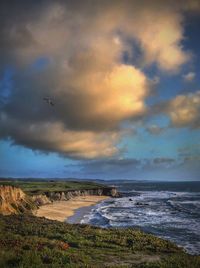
[170, 210]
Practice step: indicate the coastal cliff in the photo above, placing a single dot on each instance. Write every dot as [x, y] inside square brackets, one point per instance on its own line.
[29, 241]
[49, 197]
[13, 200]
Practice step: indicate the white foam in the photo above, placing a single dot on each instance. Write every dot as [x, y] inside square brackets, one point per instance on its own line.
[165, 213]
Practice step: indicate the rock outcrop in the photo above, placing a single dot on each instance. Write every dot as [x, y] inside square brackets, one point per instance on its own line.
[66, 195]
[14, 201]
[41, 199]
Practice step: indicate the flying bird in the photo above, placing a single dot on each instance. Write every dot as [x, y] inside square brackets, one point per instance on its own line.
[49, 101]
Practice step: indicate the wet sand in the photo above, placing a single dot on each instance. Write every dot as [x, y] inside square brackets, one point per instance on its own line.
[62, 210]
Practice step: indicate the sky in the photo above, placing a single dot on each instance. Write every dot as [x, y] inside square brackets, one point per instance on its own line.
[124, 79]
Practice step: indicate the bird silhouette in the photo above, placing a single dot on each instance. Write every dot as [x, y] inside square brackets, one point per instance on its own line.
[49, 101]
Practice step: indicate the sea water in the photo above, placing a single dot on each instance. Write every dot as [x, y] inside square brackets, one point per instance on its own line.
[168, 210]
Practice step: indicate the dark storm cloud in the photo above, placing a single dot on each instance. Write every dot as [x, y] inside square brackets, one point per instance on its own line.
[14, 34]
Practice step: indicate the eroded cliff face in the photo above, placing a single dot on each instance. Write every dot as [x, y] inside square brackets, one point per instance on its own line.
[14, 201]
[41, 199]
[66, 195]
[49, 197]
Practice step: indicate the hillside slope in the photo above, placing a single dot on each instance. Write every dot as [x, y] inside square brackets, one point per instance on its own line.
[31, 242]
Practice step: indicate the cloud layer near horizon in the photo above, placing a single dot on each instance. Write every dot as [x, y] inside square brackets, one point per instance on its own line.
[82, 46]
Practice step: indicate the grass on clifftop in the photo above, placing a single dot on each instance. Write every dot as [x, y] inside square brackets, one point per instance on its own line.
[39, 187]
[30, 242]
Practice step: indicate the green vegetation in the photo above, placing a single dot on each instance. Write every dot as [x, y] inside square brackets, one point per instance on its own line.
[39, 187]
[30, 242]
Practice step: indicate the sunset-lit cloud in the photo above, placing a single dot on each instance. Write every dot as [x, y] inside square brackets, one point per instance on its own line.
[189, 76]
[95, 91]
[161, 39]
[54, 137]
[184, 110]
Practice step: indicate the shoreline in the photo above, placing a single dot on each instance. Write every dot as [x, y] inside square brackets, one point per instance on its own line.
[63, 210]
[79, 214]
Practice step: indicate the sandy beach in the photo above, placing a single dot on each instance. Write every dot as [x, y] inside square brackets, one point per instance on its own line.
[61, 210]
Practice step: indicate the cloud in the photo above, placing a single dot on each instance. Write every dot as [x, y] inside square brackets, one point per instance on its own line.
[125, 168]
[54, 137]
[57, 28]
[163, 160]
[110, 167]
[189, 76]
[93, 89]
[190, 153]
[184, 110]
[154, 129]
[162, 46]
